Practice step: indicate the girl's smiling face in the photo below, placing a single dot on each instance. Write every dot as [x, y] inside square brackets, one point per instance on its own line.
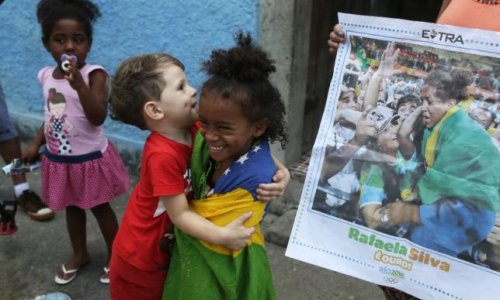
[68, 36]
[227, 131]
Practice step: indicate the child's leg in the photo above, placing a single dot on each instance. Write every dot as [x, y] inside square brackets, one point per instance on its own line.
[108, 224]
[128, 282]
[76, 222]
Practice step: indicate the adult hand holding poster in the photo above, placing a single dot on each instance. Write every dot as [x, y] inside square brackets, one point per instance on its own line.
[403, 185]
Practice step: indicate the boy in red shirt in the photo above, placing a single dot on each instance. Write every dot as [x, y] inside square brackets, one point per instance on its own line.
[152, 92]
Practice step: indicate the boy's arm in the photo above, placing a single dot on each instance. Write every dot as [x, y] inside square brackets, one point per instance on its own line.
[233, 236]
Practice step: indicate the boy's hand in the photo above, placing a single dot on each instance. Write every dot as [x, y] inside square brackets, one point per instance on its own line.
[336, 36]
[236, 235]
[270, 191]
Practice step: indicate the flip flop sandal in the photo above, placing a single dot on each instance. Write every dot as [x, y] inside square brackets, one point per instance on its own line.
[68, 275]
[104, 279]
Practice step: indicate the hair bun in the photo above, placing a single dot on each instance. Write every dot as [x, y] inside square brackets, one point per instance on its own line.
[242, 63]
[48, 8]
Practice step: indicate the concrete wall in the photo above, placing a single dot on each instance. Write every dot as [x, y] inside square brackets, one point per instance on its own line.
[284, 31]
[187, 29]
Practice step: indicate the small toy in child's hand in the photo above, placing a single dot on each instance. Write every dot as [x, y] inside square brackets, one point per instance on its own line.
[17, 167]
[66, 60]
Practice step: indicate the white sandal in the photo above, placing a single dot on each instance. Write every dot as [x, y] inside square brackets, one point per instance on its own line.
[104, 279]
[71, 273]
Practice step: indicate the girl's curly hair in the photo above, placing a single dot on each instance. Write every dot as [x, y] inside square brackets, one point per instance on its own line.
[241, 74]
[48, 12]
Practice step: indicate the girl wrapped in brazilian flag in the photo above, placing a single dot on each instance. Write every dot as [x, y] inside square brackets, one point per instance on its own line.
[240, 112]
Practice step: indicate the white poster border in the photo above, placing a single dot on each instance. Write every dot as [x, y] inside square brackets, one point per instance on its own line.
[307, 242]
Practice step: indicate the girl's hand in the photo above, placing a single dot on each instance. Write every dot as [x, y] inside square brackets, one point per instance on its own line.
[30, 154]
[236, 234]
[388, 61]
[270, 191]
[336, 36]
[74, 77]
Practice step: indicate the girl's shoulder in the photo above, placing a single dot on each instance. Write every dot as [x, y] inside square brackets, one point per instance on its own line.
[45, 73]
[88, 68]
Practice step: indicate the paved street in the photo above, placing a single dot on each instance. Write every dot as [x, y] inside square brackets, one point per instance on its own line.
[29, 258]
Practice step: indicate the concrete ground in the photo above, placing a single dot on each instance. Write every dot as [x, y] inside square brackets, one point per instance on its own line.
[29, 258]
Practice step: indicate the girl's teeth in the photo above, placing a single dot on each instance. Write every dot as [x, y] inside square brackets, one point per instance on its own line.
[215, 148]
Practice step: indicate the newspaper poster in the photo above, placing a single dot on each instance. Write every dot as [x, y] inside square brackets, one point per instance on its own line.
[402, 188]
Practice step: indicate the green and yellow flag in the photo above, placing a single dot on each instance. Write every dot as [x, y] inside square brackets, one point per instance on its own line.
[199, 270]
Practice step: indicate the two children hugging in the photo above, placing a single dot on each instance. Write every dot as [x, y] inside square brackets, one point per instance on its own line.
[240, 112]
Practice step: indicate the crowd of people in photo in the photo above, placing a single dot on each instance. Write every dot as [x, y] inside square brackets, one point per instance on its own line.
[414, 148]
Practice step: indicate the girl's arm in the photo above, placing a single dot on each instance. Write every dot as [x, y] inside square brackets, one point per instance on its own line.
[406, 146]
[30, 154]
[93, 97]
[270, 191]
[233, 236]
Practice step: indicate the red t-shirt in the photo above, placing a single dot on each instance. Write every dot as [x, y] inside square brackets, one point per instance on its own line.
[164, 172]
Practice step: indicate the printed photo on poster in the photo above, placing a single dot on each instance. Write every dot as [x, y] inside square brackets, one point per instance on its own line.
[409, 147]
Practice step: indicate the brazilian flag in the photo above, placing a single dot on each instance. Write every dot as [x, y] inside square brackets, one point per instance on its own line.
[199, 270]
[461, 162]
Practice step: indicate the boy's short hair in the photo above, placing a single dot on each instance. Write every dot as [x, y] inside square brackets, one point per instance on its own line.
[138, 80]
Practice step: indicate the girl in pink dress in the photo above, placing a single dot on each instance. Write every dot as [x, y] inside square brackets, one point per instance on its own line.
[81, 169]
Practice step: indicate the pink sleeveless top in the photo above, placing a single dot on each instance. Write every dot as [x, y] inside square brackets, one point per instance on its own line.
[471, 14]
[67, 130]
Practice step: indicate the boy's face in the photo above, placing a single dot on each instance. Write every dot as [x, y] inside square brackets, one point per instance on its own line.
[177, 100]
